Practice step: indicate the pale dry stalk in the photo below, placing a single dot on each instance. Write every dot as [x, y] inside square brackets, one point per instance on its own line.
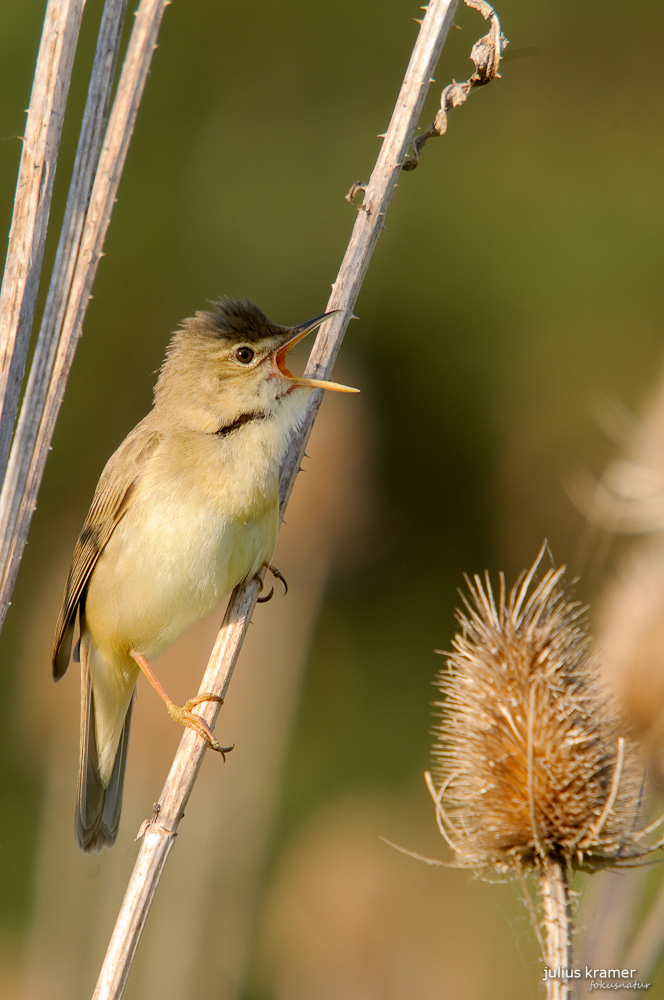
[557, 925]
[159, 833]
[84, 230]
[32, 203]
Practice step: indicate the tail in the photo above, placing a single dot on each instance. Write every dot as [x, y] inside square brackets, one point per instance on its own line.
[98, 804]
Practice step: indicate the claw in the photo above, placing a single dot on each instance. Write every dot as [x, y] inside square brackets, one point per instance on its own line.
[189, 720]
[278, 575]
[197, 723]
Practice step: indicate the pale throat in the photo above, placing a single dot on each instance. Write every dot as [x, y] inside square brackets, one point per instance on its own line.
[269, 420]
[255, 444]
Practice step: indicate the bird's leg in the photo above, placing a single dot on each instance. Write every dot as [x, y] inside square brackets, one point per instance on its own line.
[278, 575]
[183, 714]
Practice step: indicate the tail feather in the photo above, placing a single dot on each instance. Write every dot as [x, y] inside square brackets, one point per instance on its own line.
[98, 806]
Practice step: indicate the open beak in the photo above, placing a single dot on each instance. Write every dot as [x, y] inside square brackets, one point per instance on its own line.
[299, 333]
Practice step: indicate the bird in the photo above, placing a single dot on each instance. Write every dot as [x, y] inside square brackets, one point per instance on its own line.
[185, 509]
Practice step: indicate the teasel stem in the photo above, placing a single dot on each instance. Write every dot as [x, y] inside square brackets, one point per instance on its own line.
[557, 925]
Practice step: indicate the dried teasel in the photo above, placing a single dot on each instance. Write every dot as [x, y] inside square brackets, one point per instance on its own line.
[531, 765]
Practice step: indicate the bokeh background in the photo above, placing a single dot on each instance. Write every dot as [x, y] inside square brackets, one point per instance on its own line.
[518, 285]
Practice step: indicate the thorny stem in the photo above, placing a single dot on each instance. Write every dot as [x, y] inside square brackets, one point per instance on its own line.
[557, 924]
[87, 217]
[32, 203]
[159, 835]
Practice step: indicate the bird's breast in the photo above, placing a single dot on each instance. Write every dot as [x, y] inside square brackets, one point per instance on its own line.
[200, 524]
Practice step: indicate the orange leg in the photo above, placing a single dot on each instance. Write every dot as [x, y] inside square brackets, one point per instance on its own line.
[183, 715]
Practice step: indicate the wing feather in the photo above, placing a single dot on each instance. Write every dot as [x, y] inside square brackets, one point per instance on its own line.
[113, 497]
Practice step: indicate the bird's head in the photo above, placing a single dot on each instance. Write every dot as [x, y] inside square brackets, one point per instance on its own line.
[231, 361]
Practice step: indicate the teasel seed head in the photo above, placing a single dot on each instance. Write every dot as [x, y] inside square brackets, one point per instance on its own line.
[530, 761]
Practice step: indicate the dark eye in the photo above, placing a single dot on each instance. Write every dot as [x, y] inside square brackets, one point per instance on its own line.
[244, 355]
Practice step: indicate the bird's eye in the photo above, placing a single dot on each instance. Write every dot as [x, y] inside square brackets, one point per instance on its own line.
[244, 355]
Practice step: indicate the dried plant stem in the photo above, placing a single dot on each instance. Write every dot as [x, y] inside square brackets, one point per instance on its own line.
[557, 921]
[88, 215]
[371, 213]
[32, 203]
[159, 834]
[35, 425]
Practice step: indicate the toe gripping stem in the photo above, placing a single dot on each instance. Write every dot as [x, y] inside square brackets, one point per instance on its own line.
[278, 575]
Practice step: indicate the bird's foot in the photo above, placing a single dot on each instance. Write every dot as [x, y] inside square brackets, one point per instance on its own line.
[185, 717]
[183, 714]
[278, 575]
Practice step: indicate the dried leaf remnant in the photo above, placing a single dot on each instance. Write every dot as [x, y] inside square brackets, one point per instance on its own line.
[486, 54]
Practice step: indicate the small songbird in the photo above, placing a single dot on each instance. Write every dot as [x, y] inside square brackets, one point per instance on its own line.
[185, 509]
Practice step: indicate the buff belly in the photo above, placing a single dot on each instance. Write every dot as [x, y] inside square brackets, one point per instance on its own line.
[150, 585]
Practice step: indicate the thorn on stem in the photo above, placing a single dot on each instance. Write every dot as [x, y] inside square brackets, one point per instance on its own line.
[355, 189]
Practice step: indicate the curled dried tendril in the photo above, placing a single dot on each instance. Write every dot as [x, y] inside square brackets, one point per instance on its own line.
[486, 55]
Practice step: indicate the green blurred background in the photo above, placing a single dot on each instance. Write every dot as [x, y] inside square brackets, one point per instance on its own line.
[518, 283]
